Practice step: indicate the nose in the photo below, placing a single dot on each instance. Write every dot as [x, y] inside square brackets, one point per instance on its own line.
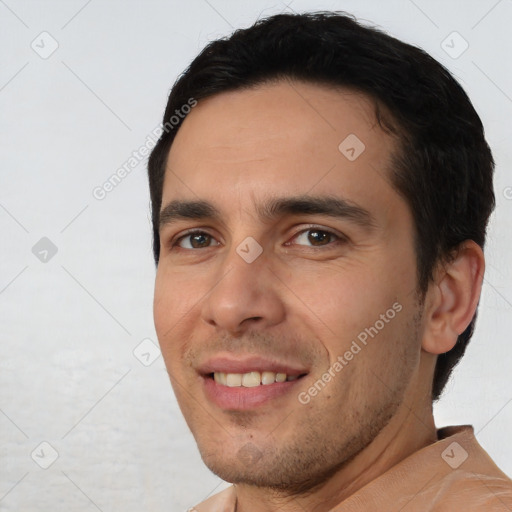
[244, 296]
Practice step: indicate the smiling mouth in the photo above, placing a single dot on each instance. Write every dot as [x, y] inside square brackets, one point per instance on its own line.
[251, 379]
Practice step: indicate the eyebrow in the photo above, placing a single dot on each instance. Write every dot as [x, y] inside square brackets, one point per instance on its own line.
[272, 209]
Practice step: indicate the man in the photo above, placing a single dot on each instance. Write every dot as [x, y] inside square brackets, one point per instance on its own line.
[320, 197]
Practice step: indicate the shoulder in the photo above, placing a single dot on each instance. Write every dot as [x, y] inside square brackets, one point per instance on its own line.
[224, 501]
[474, 492]
[474, 482]
[452, 474]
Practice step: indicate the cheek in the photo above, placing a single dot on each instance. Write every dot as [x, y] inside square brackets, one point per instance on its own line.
[162, 306]
[346, 299]
[173, 308]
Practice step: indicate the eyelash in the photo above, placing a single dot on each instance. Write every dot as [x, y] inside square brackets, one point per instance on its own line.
[339, 238]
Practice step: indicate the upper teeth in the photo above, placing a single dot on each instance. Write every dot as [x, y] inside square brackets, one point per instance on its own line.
[250, 379]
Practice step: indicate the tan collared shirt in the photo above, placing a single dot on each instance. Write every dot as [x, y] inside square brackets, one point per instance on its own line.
[454, 474]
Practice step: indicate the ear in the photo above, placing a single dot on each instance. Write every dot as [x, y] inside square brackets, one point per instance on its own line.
[452, 298]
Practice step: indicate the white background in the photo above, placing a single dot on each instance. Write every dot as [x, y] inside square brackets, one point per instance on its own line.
[68, 327]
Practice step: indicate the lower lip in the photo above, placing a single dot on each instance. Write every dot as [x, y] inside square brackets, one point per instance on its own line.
[241, 398]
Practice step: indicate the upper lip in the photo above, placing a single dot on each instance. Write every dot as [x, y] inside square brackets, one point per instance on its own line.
[230, 364]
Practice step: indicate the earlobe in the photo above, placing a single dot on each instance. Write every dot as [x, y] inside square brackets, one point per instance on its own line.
[452, 298]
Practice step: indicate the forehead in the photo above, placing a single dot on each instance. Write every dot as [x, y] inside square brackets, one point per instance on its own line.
[281, 138]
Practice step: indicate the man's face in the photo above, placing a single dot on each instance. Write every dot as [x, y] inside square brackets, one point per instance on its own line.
[291, 292]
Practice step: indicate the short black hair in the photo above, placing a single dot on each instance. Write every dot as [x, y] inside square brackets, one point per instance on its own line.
[444, 167]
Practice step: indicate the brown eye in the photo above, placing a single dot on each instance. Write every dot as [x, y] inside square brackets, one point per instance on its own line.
[195, 240]
[315, 237]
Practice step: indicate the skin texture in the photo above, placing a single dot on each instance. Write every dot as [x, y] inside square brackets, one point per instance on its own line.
[301, 301]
